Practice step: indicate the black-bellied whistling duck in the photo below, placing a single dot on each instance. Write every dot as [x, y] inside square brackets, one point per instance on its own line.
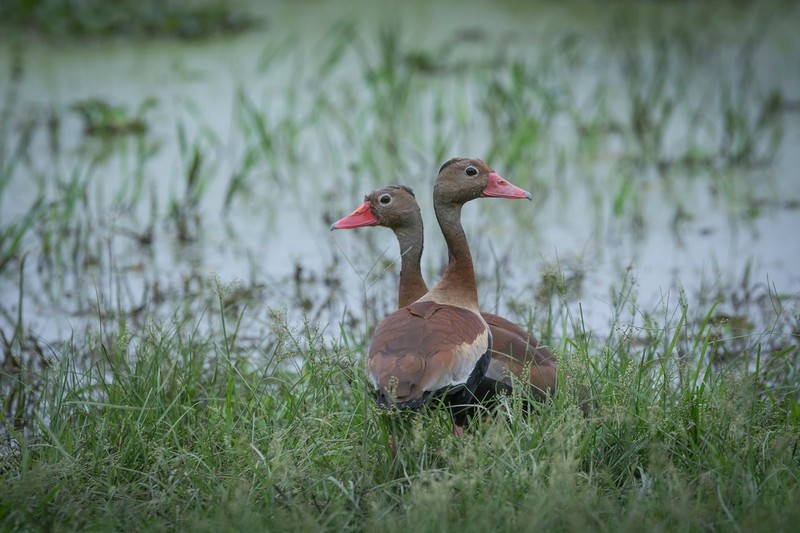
[440, 343]
[514, 351]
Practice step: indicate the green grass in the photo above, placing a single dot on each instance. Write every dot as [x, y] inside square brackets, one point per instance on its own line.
[173, 428]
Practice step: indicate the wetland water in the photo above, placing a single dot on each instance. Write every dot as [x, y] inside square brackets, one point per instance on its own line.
[660, 145]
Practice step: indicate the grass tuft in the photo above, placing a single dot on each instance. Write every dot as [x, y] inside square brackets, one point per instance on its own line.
[173, 428]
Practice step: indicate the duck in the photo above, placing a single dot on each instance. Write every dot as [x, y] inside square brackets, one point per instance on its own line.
[515, 353]
[437, 344]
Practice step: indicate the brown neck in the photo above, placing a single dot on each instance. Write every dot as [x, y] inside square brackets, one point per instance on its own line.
[412, 284]
[457, 286]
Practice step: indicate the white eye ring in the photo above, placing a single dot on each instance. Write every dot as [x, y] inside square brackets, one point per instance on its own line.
[471, 171]
[385, 199]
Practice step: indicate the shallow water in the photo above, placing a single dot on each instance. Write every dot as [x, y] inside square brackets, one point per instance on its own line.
[327, 148]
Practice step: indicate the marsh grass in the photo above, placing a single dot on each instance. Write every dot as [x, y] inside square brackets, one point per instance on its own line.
[539, 125]
[171, 427]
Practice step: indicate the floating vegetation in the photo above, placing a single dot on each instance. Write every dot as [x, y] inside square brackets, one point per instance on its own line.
[100, 118]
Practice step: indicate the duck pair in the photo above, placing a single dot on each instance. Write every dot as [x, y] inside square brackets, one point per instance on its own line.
[438, 343]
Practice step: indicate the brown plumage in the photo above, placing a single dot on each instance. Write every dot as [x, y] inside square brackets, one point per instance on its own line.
[514, 351]
[439, 344]
[424, 348]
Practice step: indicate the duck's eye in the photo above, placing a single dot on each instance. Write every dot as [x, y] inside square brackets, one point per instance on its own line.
[471, 171]
[385, 199]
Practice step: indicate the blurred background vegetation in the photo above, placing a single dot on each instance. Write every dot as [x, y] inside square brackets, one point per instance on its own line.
[189, 19]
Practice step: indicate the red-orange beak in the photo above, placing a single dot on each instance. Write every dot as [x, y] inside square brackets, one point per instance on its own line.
[500, 188]
[360, 217]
